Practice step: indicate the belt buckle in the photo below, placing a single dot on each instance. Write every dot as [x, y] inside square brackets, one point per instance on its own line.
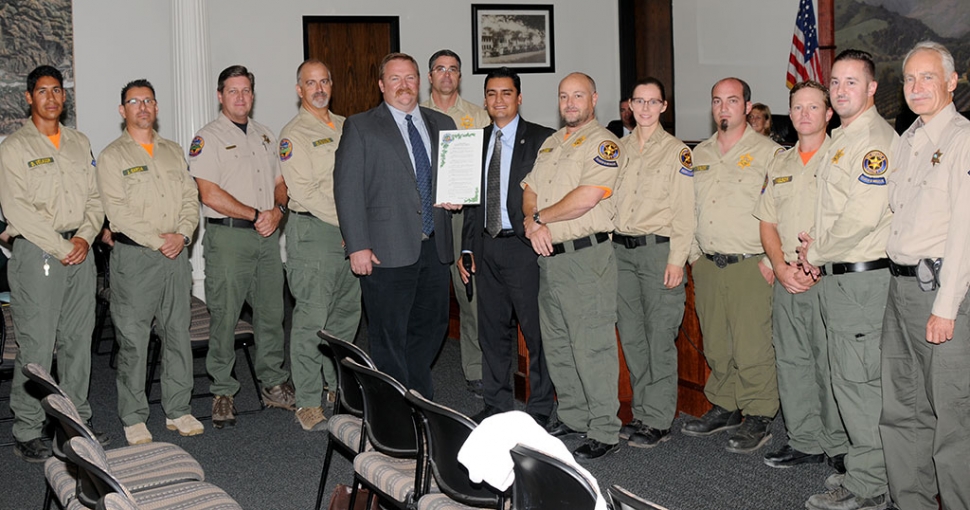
[630, 242]
[720, 260]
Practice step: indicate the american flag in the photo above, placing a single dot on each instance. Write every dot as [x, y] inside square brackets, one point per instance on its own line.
[804, 62]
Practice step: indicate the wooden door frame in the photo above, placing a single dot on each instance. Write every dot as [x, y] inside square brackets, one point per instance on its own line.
[393, 21]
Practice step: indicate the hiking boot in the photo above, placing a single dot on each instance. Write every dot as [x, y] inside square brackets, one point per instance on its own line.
[834, 481]
[752, 435]
[630, 428]
[476, 386]
[648, 437]
[593, 449]
[281, 396]
[556, 428]
[101, 436]
[788, 457]
[312, 419]
[843, 499]
[331, 399]
[223, 411]
[137, 434]
[34, 451]
[186, 425]
[837, 462]
[713, 421]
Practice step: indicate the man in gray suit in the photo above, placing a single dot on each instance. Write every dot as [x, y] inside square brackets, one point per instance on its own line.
[398, 241]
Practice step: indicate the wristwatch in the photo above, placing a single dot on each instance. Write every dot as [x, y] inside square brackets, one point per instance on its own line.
[535, 218]
[283, 209]
[256, 216]
[186, 239]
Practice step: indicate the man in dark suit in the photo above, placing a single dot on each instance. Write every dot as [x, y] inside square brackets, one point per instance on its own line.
[625, 124]
[398, 242]
[508, 275]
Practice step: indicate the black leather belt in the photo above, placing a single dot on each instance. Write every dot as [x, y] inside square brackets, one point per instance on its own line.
[722, 260]
[505, 232]
[66, 235]
[303, 213]
[854, 267]
[230, 222]
[123, 239]
[898, 270]
[635, 241]
[579, 244]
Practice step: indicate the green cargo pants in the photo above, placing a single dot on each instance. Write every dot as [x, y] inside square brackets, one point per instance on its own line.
[471, 350]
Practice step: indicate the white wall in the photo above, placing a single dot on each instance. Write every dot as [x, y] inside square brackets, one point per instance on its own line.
[267, 37]
[714, 39]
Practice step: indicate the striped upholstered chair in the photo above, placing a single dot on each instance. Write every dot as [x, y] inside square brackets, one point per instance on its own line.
[101, 481]
[141, 467]
[116, 501]
[346, 426]
[394, 471]
[445, 431]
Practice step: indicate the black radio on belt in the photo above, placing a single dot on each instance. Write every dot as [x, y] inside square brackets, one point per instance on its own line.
[928, 274]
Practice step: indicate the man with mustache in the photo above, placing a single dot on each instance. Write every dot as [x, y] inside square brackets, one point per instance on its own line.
[50, 199]
[326, 292]
[399, 242]
[235, 163]
[152, 205]
[733, 284]
[444, 73]
[925, 422]
[566, 201]
[848, 251]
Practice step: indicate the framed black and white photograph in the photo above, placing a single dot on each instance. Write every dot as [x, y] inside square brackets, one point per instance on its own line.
[519, 37]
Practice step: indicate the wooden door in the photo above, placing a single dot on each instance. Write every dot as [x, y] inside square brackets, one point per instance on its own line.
[352, 47]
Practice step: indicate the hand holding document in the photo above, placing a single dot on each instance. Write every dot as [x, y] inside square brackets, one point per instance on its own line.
[460, 167]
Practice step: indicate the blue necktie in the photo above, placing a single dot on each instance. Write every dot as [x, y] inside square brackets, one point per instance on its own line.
[422, 170]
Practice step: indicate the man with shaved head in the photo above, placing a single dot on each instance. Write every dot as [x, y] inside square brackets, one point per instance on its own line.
[327, 293]
[568, 217]
[732, 282]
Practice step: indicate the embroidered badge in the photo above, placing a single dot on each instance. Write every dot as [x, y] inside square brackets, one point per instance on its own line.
[781, 180]
[134, 170]
[745, 161]
[195, 148]
[701, 168]
[543, 151]
[322, 141]
[579, 141]
[286, 149]
[764, 186]
[685, 158]
[467, 122]
[608, 153]
[265, 139]
[936, 157]
[686, 171]
[875, 163]
[838, 156]
[230, 147]
[779, 150]
[38, 162]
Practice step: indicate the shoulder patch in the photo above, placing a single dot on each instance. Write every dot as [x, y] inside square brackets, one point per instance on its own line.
[875, 163]
[779, 150]
[317, 143]
[195, 148]
[685, 158]
[608, 153]
[686, 171]
[781, 180]
[286, 149]
[134, 170]
[765, 185]
[38, 162]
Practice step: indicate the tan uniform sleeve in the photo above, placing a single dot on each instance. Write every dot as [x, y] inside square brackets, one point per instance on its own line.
[598, 171]
[955, 274]
[189, 213]
[116, 201]
[17, 207]
[204, 158]
[298, 175]
[93, 208]
[682, 206]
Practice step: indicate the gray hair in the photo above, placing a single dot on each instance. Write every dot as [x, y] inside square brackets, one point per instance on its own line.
[948, 66]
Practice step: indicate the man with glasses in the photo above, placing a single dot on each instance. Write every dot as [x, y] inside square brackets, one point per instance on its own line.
[49, 195]
[326, 291]
[235, 163]
[152, 205]
[444, 74]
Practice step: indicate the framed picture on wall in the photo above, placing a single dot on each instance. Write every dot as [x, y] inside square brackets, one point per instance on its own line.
[520, 37]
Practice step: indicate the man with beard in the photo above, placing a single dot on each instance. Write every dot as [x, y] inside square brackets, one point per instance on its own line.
[733, 284]
[152, 205]
[50, 199]
[327, 293]
[398, 241]
[848, 252]
[444, 73]
[568, 216]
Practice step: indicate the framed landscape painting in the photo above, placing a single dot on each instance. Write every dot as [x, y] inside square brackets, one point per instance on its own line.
[520, 37]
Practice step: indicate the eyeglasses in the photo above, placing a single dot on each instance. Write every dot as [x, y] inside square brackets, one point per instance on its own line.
[443, 69]
[148, 101]
[640, 102]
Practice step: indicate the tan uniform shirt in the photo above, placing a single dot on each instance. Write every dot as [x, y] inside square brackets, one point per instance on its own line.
[655, 192]
[145, 196]
[789, 199]
[245, 165]
[465, 114]
[727, 187]
[852, 213]
[589, 157]
[307, 148]
[44, 190]
[929, 193]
